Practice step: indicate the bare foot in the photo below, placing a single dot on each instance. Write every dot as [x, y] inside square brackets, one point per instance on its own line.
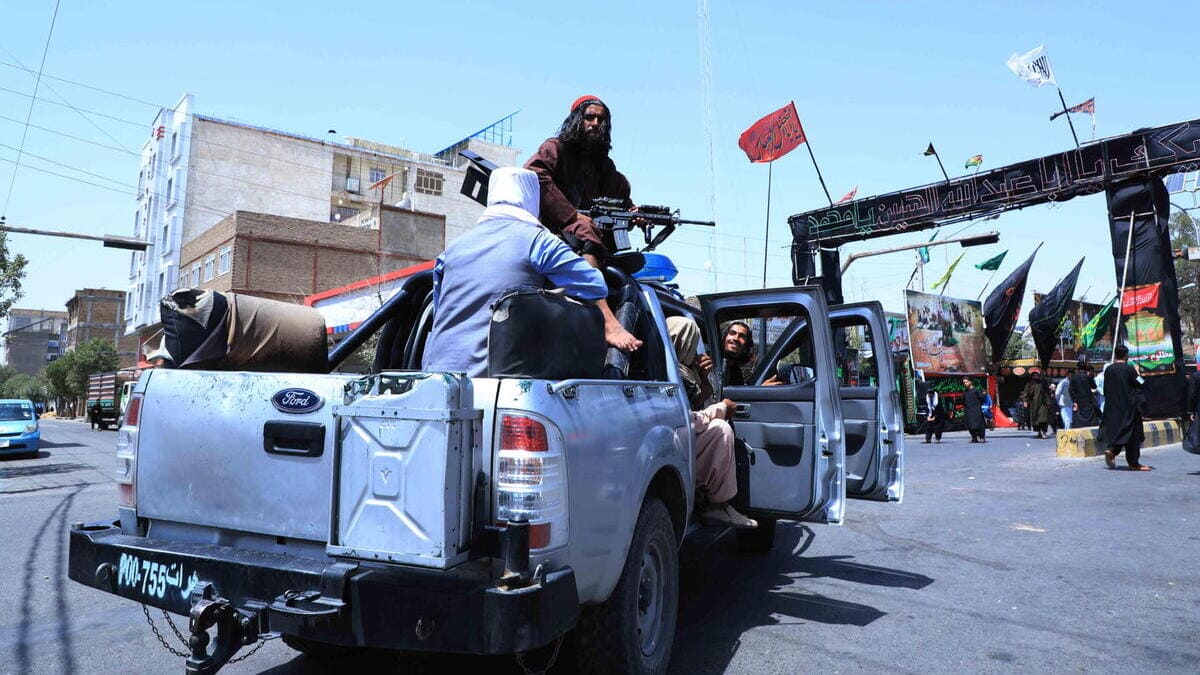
[618, 337]
[1110, 459]
[1141, 467]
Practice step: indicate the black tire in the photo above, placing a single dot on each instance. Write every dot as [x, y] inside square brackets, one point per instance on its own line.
[758, 540]
[632, 632]
[322, 651]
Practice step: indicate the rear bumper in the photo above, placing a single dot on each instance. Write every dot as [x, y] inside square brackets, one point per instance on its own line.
[19, 445]
[332, 601]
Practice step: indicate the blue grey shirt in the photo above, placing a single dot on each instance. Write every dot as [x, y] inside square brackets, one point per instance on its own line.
[476, 268]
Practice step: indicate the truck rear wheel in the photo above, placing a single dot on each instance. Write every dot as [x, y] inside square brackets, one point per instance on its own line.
[758, 540]
[633, 630]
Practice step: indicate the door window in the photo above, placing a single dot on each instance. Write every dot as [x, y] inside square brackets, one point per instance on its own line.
[779, 349]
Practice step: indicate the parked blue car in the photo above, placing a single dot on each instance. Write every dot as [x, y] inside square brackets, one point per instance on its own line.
[19, 431]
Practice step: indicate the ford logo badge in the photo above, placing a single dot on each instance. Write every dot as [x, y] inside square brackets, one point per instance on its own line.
[296, 401]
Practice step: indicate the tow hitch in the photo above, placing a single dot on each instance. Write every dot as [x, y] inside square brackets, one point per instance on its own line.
[236, 628]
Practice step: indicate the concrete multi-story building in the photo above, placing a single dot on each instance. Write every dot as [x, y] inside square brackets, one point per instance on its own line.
[34, 338]
[197, 170]
[99, 313]
[287, 259]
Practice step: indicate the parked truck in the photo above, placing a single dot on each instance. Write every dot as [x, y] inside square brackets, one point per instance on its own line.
[429, 511]
[104, 403]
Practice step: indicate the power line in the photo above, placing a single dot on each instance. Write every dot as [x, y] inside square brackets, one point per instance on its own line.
[62, 98]
[87, 86]
[29, 113]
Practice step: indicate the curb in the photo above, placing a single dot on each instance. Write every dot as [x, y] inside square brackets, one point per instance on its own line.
[1083, 442]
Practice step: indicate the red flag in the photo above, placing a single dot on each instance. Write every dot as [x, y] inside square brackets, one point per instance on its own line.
[848, 196]
[773, 136]
[1138, 298]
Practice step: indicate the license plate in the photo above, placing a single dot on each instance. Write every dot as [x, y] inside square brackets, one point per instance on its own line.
[3, 444]
[142, 578]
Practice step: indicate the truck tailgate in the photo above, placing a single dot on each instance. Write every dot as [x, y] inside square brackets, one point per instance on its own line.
[215, 450]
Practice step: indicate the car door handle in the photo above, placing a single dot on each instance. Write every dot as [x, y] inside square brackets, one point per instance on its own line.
[741, 411]
[297, 439]
[823, 443]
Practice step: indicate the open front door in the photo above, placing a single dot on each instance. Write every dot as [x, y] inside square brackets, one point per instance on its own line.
[870, 404]
[788, 421]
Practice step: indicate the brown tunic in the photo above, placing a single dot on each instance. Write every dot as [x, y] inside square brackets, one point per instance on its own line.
[570, 181]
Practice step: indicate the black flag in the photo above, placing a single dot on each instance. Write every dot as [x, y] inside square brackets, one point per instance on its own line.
[1003, 306]
[1045, 319]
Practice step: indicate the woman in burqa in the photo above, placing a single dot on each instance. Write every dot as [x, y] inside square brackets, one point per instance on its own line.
[716, 476]
[1037, 399]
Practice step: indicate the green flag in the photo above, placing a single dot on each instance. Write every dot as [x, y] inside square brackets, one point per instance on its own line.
[950, 270]
[924, 250]
[992, 264]
[1098, 326]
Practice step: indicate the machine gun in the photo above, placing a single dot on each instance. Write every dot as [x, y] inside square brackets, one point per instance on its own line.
[615, 219]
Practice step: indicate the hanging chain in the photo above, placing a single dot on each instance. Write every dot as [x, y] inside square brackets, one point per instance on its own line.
[549, 664]
[175, 629]
[161, 639]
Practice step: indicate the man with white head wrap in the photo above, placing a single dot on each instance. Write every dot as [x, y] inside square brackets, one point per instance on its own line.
[507, 247]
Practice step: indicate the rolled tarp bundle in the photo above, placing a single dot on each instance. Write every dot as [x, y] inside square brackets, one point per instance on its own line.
[207, 330]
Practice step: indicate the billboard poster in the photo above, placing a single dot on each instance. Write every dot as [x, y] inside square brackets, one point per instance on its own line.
[945, 334]
[1070, 346]
[1147, 333]
[897, 325]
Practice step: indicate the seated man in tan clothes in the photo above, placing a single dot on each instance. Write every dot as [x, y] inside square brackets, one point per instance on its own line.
[716, 478]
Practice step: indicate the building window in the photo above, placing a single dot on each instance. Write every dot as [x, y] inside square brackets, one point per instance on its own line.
[166, 233]
[170, 191]
[162, 283]
[223, 260]
[174, 144]
[208, 267]
[376, 174]
[429, 182]
[195, 275]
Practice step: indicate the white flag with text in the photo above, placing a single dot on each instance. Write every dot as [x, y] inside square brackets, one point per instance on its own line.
[1033, 67]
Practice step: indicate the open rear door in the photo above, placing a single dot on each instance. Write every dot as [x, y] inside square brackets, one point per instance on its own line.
[791, 451]
[870, 405]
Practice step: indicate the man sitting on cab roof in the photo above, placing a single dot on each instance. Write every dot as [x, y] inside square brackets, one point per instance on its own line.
[507, 247]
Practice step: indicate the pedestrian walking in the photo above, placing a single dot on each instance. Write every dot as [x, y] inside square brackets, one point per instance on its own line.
[1084, 407]
[1022, 413]
[1191, 439]
[1062, 396]
[1037, 399]
[973, 410]
[934, 416]
[1121, 423]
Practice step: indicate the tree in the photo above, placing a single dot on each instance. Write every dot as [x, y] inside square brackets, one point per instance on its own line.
[97, 355]
[12, 271]
[24, 386]
[57, 374]
[1183, 234]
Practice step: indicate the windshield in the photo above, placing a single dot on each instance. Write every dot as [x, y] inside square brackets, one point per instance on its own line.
[15, 411]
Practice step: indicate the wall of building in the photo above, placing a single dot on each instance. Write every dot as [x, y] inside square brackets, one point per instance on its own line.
[289, 258]
[34, 337]
[242, 168]
[99, 313]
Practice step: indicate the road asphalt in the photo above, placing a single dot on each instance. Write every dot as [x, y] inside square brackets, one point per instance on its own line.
[1001, 557]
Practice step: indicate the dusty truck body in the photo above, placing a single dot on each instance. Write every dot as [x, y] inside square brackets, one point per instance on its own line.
[434, 512]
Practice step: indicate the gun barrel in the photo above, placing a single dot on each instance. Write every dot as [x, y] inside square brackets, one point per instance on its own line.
[705, 223]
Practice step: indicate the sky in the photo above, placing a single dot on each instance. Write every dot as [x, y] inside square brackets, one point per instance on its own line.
[873, 83]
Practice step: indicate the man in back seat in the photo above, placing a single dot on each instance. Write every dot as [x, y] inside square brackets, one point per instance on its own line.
[507, 247]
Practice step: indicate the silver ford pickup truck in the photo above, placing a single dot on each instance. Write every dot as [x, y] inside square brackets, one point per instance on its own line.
[408, 510]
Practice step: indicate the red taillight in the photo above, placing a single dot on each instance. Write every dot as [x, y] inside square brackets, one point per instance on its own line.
[133, 411]
[523, 433]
